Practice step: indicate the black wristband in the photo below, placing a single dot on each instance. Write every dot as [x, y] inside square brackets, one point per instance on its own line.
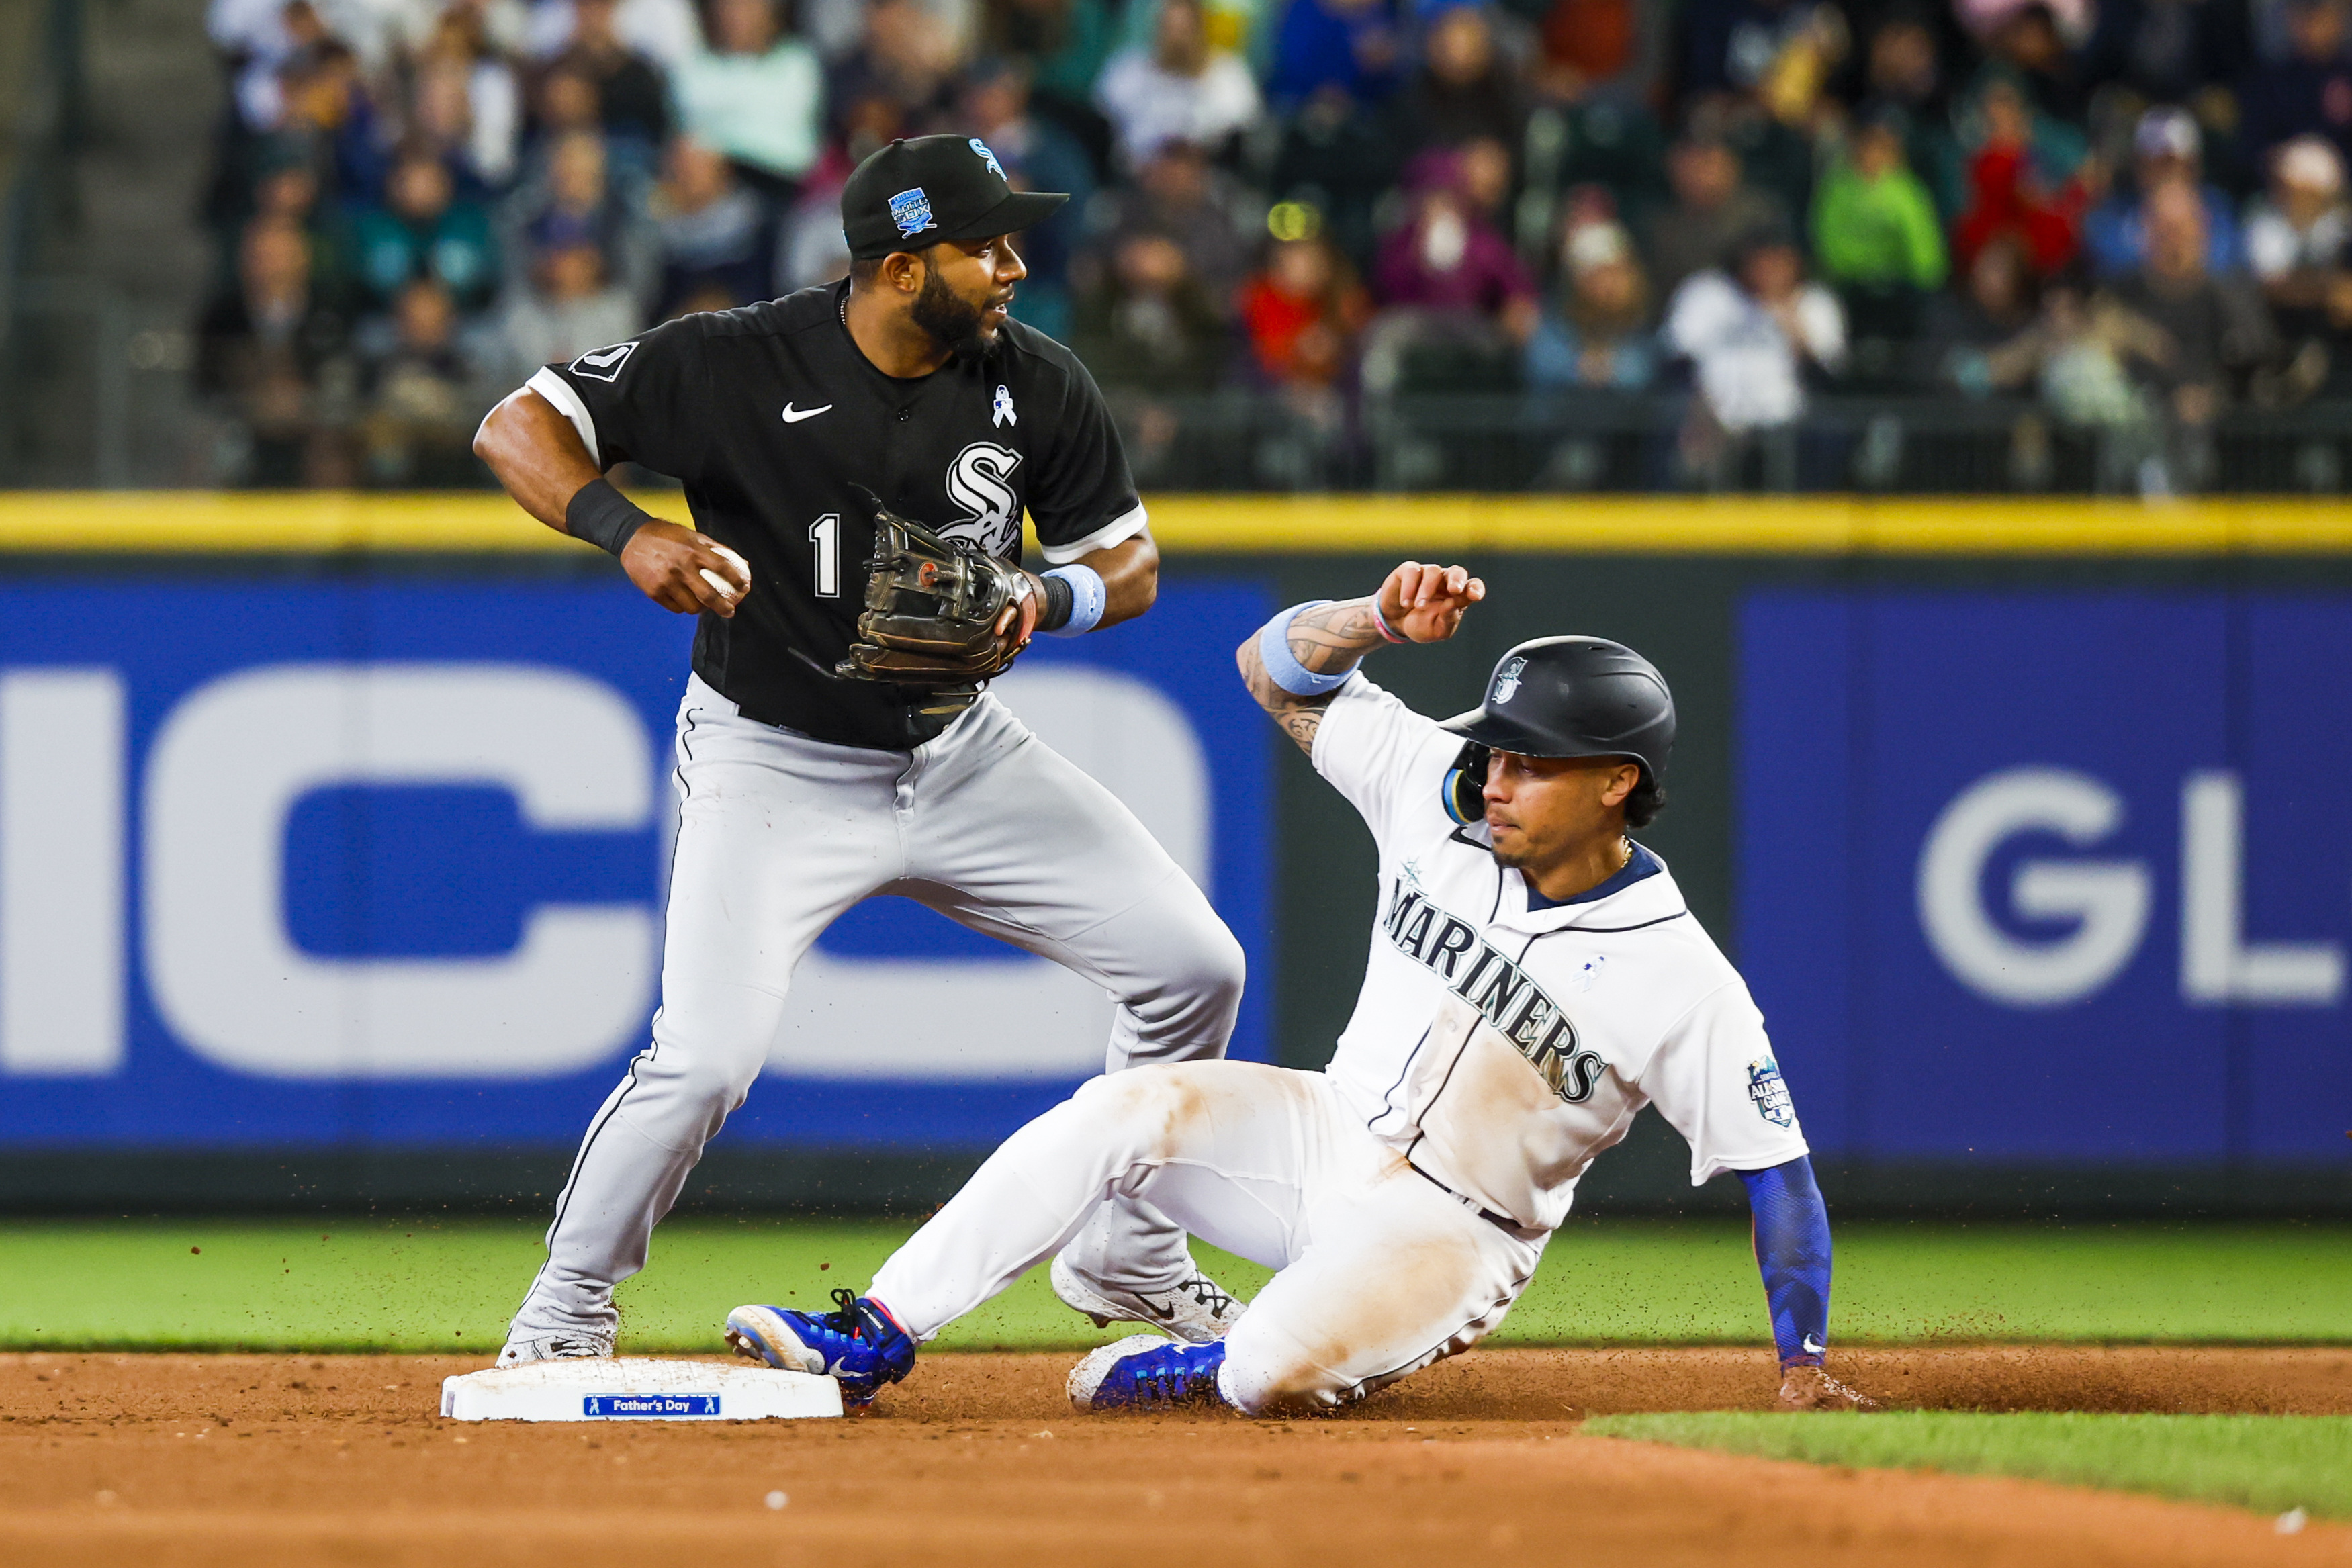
[1059, 598]
[602, 515]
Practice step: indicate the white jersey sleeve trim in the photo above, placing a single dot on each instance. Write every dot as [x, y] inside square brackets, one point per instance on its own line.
[1118, 531]
[559, 393]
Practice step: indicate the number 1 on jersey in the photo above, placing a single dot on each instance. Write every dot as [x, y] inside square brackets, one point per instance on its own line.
[825, 534]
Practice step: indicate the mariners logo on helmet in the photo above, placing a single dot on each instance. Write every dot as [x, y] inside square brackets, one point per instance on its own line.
[1507, 679]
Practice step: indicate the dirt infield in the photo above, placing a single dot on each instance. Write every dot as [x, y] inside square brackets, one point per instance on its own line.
[255, 1461]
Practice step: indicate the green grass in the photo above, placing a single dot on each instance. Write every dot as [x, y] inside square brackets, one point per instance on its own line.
[409, 1285]
[2272, 1463]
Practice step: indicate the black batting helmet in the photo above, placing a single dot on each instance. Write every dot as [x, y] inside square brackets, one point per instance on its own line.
[1563, 696]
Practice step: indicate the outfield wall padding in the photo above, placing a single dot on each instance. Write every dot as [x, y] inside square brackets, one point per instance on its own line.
[1848, 671]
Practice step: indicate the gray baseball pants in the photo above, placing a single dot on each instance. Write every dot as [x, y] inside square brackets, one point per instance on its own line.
[778, 834]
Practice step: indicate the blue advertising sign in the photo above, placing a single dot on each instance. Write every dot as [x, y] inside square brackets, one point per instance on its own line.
[2036, 876]
[381, 863]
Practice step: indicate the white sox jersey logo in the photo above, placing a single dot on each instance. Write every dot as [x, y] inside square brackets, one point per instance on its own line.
[604, 364]
[979, 482]
[1538, 1030]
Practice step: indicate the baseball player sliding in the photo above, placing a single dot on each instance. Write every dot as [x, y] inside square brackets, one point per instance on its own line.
[1534, 980]
[836, 740]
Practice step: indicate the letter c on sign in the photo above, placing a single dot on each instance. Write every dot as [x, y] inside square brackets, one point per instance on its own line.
[2109, 900]
[230, 763]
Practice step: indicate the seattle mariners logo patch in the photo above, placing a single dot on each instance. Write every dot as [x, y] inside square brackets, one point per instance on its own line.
[1507, 679]
[604, 364]
[1004, 414]
[989, 158]
[1769, 1095]
[911, 211]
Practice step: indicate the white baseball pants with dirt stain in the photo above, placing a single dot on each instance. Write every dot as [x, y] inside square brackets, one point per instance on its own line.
[778, 834]
[1380, 1271]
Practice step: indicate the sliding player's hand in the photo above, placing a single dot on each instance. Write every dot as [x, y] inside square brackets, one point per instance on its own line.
[1810, 1389]
[1425, 603]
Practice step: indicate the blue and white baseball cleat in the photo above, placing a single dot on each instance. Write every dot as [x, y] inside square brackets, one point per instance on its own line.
[1145, 1372]
[857, 1345]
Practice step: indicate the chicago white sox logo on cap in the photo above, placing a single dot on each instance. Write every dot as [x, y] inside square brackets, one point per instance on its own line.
[911, 211]
[993, 166]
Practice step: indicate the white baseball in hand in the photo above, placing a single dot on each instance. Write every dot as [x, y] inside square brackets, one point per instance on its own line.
[718, 581]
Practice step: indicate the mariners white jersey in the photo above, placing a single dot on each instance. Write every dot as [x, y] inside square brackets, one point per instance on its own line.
[1501, 1048]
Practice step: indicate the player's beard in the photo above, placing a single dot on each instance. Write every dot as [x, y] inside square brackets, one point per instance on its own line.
[954, 322]
[1516, 860]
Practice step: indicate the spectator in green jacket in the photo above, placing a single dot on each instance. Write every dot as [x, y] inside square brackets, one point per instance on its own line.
[1875, 235]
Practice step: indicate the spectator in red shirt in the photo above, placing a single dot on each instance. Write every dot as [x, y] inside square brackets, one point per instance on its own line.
[2022, 185]
[1301, 311]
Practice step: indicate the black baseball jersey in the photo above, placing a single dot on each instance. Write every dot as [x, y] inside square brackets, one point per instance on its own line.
[773, 419]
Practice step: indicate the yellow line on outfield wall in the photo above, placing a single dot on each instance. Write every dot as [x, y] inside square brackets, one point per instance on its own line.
[309, 523]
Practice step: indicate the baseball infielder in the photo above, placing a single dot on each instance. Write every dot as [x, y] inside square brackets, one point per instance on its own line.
[834, 741]
[1535, 979]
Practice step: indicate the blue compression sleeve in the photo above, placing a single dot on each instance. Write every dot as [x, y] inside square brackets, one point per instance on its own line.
[1793, 1251]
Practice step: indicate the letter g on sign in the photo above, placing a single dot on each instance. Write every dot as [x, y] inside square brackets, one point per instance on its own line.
[2107, 900]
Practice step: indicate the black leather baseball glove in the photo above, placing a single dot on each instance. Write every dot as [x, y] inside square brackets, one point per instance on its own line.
[941, 615]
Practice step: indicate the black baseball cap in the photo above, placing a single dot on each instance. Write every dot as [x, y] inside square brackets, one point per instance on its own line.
[921, 189]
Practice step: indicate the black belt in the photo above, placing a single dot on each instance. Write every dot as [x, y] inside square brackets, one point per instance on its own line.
[1500, 1221]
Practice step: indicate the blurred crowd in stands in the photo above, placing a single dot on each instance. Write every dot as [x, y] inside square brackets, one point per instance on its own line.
[2130, 213]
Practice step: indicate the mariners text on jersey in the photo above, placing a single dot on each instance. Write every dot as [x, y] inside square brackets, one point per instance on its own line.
[1505, 994]
[776, 424]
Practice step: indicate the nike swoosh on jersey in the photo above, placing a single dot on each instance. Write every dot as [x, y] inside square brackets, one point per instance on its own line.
[793, 416]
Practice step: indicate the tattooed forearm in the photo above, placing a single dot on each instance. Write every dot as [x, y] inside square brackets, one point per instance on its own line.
[1326, 639]
[1331, 637]
[1300, 725]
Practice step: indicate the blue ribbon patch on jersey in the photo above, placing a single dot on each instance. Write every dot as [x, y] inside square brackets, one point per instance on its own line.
[655, 1405]
[1770, 1094]
[911, 211]
[990, 158]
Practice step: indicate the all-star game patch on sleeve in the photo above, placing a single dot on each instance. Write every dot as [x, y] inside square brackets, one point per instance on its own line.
[1083, 498]
[643, 402]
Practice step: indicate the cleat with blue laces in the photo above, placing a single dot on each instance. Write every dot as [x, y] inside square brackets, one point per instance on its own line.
[1144, 1372]
[857, 1345]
